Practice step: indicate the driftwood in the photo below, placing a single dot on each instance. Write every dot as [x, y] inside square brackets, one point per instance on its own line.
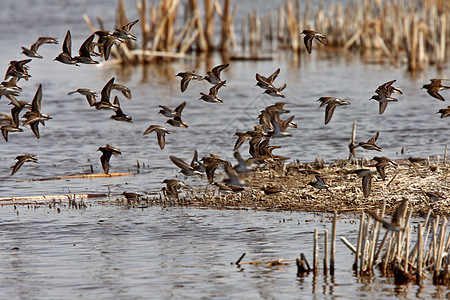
[87, 176]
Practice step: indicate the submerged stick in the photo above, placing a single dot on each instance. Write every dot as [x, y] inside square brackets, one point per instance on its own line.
[240, 258]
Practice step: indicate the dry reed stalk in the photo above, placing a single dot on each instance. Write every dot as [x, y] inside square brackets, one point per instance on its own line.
[226, 22]
[348, 244]
[292, 26]
[333, 243]
[373, 243]
[358, 246]
[166, 14]
[325, 258]
[316, 251]
[209, 23]
[440, 247]
[380, 247]
[386, 256]
[420, 248]
[48, 198]
[364, 247]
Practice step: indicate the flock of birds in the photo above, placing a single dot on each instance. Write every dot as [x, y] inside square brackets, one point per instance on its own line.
[271, 124]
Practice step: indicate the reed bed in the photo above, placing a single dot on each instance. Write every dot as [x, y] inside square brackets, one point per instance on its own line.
[407, 181]
[400, 32]
[395, 255]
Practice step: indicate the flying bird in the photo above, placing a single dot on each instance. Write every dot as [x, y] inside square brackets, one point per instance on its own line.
[170, 113]
[310, 35]
[212, 96]
[119, 115]
[331, 103]
[397, 219]
[160, 134]
[213, 76]
[186, 77]
[445, 112]
[34, 116]
[32, 52]
[371, 143]
[434, 87]
[187, 170]
[107, 151]
[65, 56]
[84, 52]
[21, 159]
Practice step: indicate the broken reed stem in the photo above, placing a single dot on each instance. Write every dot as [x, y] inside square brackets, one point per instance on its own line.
[333, 243]
[358, 247]
[352, 144]
[419, 244]
[445, 156]
[316, 251]
[325, 258]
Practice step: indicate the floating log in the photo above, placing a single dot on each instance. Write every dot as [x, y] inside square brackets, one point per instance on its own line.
[87, 176]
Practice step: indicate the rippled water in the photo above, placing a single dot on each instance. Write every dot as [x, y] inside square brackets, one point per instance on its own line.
[107, 252]
[112, 252]
[69, 141]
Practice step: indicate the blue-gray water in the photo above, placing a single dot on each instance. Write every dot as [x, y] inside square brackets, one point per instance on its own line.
[179, 252]
[110, 252]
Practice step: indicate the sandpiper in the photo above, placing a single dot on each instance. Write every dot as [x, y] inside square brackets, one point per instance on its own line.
[276, 92]
[160, 134]
[5, 129]
[196, 164]
[310, 35]
[34, 116]
[186, 77]
[366, 175]
[225, 188]
[381, 164]
[331, 103]
[319, 183]
[18, 105]
[18, 69]
[233, 177]
[84, 52]
[65, 56]
[177, 122]
[434, 87]
[242, 166]
[125, 90]
[445, 112]
[107, 151]
[267, 83]
[32, 52]
[212, 96]
[90, 95]
[21, 159]
[279, 126]
[371, 143]
[187, 170]
[124, 31]
[119, 115]
[172, 186]
[211, 163]
[213, 76]
[383, 102]
[169, 113]
[397, 218]
[104, 102]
